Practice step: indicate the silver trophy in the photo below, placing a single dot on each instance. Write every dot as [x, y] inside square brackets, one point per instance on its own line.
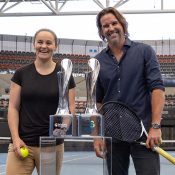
[91, 123]
[60, 122]
[63, 79]
[91, 78]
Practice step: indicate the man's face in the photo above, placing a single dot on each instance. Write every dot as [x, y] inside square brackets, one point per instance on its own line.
[112, 30]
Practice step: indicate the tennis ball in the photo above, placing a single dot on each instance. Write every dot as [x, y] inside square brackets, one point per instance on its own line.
[24, 152]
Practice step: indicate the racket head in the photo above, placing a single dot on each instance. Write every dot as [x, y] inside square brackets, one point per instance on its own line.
[121, 122]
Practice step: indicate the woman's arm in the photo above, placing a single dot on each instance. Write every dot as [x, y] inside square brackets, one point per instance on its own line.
[72, 100]
[13, 117]
[13, 110]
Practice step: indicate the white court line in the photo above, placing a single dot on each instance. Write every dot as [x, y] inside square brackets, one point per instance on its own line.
[3, 167]
[78, 158]
[168, 141]
[71, 155]
[79, 140]
[5, 138]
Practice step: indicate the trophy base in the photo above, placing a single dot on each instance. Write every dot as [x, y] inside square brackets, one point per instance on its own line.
[60, 125]
[84, 125]
[90, 125]
[78, 157]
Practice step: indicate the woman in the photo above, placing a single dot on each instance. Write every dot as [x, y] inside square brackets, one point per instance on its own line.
[33, 97]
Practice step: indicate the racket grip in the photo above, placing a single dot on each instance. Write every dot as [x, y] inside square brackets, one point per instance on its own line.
[164, 154]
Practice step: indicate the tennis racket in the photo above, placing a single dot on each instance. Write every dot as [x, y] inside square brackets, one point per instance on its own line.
[122, 123]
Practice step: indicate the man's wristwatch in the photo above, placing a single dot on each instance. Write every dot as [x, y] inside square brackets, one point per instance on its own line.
[155, 125]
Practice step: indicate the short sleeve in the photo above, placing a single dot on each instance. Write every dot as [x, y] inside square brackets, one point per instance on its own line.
[16, 78]
[71, 82]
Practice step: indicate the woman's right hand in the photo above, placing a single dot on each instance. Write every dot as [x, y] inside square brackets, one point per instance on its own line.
[17, 144]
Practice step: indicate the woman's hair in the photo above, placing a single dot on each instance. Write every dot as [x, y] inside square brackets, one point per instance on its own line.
[46, 30]
[119, 17]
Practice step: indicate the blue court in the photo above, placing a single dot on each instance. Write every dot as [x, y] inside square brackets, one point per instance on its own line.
[86, 163]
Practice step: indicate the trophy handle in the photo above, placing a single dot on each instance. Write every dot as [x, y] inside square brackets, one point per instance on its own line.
[91, 78]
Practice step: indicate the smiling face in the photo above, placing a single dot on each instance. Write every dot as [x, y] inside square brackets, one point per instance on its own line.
[112, 29]
[45, 45]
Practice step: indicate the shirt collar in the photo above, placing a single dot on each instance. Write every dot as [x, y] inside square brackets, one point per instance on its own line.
[127, 44]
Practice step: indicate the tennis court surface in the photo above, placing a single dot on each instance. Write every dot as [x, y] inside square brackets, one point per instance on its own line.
[80, 159]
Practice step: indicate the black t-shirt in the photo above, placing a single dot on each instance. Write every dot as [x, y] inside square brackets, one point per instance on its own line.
[39, 99]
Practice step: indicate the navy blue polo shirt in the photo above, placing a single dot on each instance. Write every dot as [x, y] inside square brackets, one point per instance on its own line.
[131, 80]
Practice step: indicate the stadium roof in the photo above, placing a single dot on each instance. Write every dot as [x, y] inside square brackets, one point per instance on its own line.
[81, 7]
[76, 19]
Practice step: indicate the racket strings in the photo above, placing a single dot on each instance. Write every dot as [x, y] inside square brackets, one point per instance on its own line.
[121, 123]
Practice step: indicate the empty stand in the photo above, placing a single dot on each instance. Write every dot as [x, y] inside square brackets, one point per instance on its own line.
[167, 65]
[12, 60]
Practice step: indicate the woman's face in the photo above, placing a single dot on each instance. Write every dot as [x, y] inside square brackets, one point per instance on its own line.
[44, 45]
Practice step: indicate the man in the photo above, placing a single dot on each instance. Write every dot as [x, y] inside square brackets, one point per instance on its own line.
[129, 73]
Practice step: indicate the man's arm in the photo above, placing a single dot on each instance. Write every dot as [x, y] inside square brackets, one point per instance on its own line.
[157, 103]
[98, 142]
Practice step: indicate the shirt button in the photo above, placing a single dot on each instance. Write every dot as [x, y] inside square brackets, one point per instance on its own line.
[118, 91]
[119, 79]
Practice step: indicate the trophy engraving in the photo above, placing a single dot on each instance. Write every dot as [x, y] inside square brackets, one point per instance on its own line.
[91, 78]
[60, 122]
